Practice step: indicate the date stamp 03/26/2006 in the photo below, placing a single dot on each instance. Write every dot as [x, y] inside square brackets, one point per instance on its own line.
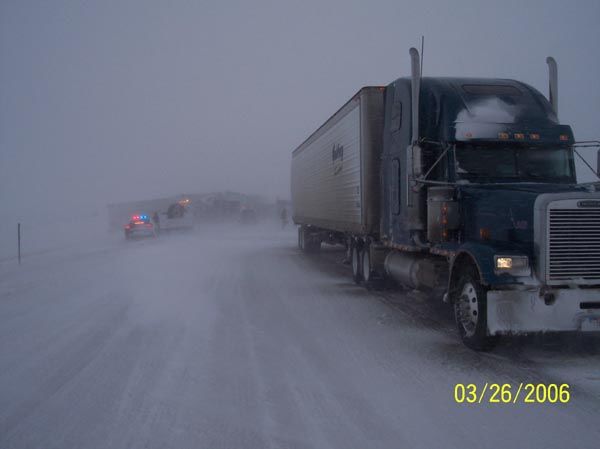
[523, 393]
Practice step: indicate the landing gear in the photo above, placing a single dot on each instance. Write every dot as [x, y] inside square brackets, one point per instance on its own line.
[307, 242]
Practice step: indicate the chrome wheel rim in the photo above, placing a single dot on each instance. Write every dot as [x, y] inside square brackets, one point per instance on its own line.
[468, 309]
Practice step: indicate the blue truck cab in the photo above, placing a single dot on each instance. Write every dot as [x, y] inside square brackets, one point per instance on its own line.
[463, 187]
[480, 199]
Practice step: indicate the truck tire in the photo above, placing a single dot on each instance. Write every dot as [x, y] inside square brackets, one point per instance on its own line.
[372, 280]
[366, 267]
[356, 265]
[470, 311]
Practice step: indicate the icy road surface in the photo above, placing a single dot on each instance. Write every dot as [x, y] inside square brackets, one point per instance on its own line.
[233, 339]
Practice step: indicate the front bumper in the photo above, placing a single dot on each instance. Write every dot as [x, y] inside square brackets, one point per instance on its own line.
[519, 311]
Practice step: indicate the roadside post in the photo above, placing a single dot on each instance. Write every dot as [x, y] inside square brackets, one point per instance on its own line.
[19, 241]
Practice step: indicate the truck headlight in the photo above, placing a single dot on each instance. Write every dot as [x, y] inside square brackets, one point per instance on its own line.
[514, 265]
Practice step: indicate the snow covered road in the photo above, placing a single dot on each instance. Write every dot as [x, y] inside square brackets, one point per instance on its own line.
[232, 338]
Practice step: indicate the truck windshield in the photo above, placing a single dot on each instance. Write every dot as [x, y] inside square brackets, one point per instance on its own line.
[501, 163]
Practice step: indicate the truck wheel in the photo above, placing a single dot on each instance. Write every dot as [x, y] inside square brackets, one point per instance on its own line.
[300, 238]
[356, 268]
[470, 311]
[367, 269]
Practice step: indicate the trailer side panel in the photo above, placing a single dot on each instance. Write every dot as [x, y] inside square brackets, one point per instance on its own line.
[335, 171]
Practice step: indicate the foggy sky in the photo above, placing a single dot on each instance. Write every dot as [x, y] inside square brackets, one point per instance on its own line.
[102, 101]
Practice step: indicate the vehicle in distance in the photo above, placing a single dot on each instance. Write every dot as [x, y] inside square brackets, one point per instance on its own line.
[464, 187]
[138, 227]
[178, 217]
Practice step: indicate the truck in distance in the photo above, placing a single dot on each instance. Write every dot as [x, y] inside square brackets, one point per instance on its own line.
[464, 187]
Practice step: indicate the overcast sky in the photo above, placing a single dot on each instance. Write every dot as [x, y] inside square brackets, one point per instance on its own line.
[102, 101]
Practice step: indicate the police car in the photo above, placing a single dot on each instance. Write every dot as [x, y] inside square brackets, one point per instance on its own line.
[139, 226]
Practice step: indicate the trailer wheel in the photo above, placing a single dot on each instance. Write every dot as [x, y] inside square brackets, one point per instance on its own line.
[356, 268]
[470, 311]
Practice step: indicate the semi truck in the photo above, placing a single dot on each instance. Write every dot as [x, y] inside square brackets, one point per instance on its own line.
[462, 187]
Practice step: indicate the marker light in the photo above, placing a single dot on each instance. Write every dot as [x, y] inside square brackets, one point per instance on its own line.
[519, 136]
[503, 136]
[468, 135]
[564, 137]
[534, 136]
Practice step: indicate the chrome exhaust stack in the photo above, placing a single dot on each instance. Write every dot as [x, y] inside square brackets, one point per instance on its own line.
[415, 88]
[414, 163]
[553, 83]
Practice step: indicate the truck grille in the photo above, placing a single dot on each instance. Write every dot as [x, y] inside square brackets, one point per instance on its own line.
[573, 244]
